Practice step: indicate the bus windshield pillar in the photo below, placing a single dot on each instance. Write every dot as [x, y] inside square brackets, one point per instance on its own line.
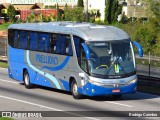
[87, 51]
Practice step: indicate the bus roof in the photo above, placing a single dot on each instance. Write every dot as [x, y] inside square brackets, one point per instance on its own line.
[87, 31]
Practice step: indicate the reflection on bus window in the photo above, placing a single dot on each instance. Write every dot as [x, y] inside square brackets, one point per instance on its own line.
[23, 40]
[44, 42]
[33, 41]
[16, 38]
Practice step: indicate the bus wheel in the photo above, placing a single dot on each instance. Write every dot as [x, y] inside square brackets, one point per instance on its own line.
[74, 90]
[117, 96]
[26, 80]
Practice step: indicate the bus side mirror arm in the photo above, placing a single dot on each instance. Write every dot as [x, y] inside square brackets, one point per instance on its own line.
[139, 47]
[87, 51]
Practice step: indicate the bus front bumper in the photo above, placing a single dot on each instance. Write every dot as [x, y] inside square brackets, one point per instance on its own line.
[95, 90]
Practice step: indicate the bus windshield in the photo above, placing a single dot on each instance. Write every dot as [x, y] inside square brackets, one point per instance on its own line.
[111, 59]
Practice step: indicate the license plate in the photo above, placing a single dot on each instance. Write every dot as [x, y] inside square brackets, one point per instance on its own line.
[116, 91]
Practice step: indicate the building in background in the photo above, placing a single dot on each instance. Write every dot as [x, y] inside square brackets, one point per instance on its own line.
[95, 5]
[23, 7]
[135, 8]
[46, 2]
[131, 8]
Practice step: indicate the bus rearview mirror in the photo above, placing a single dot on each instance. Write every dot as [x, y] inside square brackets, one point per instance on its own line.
[139, 47]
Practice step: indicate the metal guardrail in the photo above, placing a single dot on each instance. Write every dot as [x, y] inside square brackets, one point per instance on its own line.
[3, 47]
[3, 58]
[146, 57]
[148, 80]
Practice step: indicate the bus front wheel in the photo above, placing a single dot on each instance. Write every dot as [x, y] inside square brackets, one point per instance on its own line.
[74, 90]
[26, 80]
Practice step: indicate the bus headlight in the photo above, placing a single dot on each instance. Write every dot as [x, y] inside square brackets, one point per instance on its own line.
[133, 81]
[95, 82]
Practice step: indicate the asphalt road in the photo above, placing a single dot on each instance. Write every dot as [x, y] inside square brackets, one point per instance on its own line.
[15, 97]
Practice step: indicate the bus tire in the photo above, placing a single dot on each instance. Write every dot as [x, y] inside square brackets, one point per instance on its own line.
[74, 90]
[26, 80]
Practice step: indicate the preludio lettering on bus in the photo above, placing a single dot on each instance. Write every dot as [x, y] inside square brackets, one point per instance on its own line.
[46, 59]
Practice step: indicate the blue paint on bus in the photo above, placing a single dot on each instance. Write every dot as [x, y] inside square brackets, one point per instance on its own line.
[10, 73]
[54, 80]
[65, 84]
[100, 90]
[57, 68]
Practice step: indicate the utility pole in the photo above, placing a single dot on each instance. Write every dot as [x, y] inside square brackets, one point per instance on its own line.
[149, 63]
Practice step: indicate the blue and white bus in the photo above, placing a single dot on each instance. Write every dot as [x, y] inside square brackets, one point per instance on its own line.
[83, 58]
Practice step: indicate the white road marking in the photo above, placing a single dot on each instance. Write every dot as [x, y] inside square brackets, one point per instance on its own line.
[9, 81]
[42, 106]
[119, 104]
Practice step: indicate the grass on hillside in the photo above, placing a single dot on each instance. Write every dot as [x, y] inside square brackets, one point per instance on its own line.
[4, 26]
[3, 64]
[6, 118]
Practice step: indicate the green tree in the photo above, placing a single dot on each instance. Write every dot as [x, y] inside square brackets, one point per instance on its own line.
[155, 8]
[155, 21]
[74, 14]
[59, 14]
[112, 11]
[11, 13]
[114, 7]
[65, 6]
[108, 11]
[80, 3]
[146, 36]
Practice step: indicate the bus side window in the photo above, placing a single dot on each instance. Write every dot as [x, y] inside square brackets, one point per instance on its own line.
[68, 46]
[47, 42]
[83, 61]
[80, 53]
[33, 41]
[63, 44]
[52, 47]
[16, 38]
[11, 37]
[77, 42]
[23, 41]
[58, 44]
[42, 42]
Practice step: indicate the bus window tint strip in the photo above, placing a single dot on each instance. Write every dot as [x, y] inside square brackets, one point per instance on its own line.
[39, 41]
